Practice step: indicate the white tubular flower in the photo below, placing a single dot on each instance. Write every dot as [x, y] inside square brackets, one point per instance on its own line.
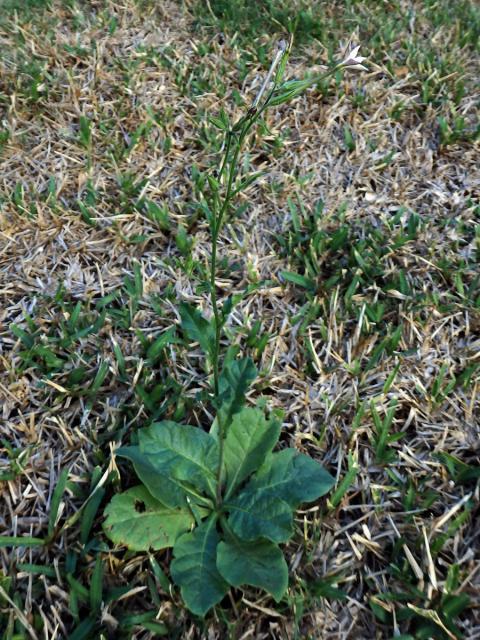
[353, 60]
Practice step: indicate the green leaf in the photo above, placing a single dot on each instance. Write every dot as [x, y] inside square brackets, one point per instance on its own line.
[158, 215]
[249, 439]
[324, 589]
[194, 568]
[89, 513]
[348, 138]
[259, 564]
[36, 569]
[99, 378]
[155, 349]
[183, 242]
[82, 631]
[168, 491]
[248, 181]
[291, 476]
[56, 500]
[346, 482]
[27, 340]
[218, 123]
[234, 381]
[21, 541]
[159, 574]
[183, 453]
[158, 628]
[298, 279]
[85, 134]
[96, 585]
[222, 122]
[265, 517]
[213, 183]
[453, 605]
[197, 328]
[289, 90]
[139, 521]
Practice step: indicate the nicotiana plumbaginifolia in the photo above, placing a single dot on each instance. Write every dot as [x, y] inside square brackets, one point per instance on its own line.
[224, 500]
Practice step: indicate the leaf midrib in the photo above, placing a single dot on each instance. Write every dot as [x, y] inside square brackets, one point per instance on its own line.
[247, 454]
[203, 553]
[181, 455]
[210, 475]
[179, 483]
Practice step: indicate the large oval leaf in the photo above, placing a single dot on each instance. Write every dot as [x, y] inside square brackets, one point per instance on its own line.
[139, 521]
[267, 517]
[183, 453]
[259, 564]
[249, 439]
[170, 491]
[194, 568]
[291, 476]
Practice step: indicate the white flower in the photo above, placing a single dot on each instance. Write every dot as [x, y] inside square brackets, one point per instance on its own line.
[353, 60]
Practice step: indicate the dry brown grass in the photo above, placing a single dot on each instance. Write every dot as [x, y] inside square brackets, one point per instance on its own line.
[310, 377]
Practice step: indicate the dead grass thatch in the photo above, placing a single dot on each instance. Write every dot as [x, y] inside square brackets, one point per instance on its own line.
[47, 175]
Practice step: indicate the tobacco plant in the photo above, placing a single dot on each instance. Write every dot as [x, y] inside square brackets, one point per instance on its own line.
[224, 500]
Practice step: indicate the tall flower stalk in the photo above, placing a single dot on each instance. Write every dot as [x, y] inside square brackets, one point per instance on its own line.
[223, 188]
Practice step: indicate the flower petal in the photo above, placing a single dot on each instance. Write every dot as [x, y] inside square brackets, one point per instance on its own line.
[353, 52]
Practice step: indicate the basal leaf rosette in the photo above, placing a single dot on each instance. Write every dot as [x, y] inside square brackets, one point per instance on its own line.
[216, 544]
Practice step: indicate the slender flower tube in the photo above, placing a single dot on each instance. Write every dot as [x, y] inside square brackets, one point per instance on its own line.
[281, 49]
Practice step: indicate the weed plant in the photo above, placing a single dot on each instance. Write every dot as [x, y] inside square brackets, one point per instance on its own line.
[224, 500]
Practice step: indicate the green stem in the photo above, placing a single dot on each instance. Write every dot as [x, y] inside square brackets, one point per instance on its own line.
[216, 226]
[238, 131]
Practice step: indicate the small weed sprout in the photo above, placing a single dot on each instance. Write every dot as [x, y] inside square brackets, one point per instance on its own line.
[223, 500]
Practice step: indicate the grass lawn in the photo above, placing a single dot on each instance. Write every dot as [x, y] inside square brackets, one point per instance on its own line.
[355, 258]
